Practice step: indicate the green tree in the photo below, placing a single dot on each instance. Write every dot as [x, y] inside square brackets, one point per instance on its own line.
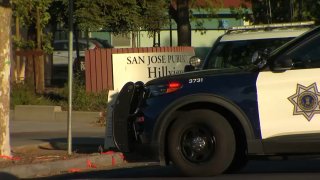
[117, 16]
[34, 16]
[126, 16]
[122, 16]
[182, 11]
[26, 11]
[153, 14]
[306, 10]
[285, 11]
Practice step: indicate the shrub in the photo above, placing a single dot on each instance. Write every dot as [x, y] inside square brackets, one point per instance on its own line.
[22, 94]
[84, 101]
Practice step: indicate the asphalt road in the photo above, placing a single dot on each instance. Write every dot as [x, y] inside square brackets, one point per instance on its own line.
[293, 169]
[24, 133]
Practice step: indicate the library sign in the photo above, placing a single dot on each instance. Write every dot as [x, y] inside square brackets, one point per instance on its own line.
[146, 66]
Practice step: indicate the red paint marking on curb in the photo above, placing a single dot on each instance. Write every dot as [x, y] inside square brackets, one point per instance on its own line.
[10, 157]
[121, 156]
[73, 170]
[16, 158]
[90, 164]
[113, 161]
[108, 152]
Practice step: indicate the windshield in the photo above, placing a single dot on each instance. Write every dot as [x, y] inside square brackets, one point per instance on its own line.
[231, 54]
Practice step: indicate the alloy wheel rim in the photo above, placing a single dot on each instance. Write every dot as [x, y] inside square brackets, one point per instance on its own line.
[197, 143]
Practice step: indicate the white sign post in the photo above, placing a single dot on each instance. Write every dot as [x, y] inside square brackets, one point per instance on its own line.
[141, 67]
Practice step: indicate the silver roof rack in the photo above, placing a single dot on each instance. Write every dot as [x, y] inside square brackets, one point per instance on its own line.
[271, 26]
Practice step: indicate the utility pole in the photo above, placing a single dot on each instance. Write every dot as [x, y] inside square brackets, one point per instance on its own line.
[269, 12]
[70, 76]
[291, 10]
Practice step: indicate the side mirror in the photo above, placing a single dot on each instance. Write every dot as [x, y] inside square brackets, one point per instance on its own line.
[194, 62]
[259, 58]
[255, 57]
[282, 64]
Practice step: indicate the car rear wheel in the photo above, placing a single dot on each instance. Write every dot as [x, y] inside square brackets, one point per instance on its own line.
[201, 143]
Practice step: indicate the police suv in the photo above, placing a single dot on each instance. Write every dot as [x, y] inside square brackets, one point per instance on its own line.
[209, 121]
[238, 44]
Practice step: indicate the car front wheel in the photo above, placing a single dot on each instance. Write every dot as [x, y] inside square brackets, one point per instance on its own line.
[201, 143]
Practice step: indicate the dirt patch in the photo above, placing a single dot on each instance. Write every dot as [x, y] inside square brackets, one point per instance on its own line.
[42, 154]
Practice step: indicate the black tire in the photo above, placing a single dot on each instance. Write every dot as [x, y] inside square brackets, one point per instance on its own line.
[201, 143]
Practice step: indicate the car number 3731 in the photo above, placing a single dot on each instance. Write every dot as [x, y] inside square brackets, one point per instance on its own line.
[195, 80]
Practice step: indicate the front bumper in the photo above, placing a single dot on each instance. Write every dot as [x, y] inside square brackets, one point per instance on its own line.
[127, 124]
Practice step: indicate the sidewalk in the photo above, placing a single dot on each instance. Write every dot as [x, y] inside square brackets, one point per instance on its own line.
[87, 136]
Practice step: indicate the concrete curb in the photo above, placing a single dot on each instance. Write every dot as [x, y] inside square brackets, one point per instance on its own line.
[79, 116]
[66, 166]
[31, 112]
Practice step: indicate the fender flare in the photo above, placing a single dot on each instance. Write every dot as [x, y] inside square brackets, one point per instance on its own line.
[164, 120]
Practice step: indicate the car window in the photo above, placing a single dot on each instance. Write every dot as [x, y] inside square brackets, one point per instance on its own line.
[63, 46]
[307, 55]
[82, 46]
[239, 53]
[60, 46]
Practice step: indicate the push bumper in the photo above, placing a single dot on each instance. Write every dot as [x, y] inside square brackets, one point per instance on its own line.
[124, 115]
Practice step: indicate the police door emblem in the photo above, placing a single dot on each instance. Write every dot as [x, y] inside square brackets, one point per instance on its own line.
[306, 101]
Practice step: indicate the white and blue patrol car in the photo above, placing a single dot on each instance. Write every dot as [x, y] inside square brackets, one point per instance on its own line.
[210, 121]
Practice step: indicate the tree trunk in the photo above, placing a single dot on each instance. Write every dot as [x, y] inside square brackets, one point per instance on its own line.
[39, 71]
[133, 40]
[18, 65]
[5, 56]
[30, 61]
[29, 72]
[184, 27]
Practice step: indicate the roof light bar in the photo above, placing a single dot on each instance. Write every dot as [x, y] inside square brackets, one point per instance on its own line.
[276, 25]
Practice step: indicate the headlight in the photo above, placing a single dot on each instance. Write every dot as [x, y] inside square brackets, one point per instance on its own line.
[159, 89]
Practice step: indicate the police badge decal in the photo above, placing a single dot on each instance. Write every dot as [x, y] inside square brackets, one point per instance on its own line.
[306, 101]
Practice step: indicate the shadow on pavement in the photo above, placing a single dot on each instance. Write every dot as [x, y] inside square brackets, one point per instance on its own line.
[126, 172]
[84, 145]
[7, 176]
